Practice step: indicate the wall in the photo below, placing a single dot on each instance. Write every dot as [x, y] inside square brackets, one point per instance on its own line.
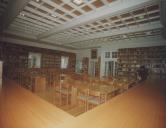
[80, 54]
[86, 53]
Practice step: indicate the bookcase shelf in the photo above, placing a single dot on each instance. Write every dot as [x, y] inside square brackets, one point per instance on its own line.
[16, 56]
[130, 59]
[51, 61]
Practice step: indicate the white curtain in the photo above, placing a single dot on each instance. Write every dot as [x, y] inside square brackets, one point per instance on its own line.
[34, 60]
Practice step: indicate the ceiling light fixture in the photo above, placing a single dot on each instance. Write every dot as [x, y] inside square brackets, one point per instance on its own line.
[124, 36]
[53, 15]
[77, 2]
[38, 1]
[141, 17]
[22, 14]
[148, 33]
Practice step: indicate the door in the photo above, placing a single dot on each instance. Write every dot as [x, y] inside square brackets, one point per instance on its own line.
[92, 68]
[109, 68]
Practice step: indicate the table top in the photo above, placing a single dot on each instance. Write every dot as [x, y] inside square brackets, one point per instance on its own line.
[105, 89]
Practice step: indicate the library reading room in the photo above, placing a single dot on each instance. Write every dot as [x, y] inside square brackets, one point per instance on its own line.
[82, 63]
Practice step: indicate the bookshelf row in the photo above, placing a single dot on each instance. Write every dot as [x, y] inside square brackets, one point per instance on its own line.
[130, 59]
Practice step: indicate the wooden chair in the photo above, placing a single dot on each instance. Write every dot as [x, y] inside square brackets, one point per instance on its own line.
[82, 95]
[55, 80]
[64, 89]
[95, 98]
[39, 84]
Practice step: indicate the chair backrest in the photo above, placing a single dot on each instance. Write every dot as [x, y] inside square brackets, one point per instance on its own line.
[62, 77]
[94, 93]
[83, 91]
[64, 81]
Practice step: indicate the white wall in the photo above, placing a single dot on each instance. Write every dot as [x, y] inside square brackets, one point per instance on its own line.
[86, 53]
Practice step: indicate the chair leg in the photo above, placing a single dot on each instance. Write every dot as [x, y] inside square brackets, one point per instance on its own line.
[105, 98]
[67, 99]
[60, 98]
[87, 106]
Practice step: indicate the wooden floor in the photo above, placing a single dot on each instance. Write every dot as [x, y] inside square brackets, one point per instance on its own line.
[19, 108]
[143, 106]
[53, 97]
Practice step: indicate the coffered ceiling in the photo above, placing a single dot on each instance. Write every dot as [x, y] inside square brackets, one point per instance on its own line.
[89, 24]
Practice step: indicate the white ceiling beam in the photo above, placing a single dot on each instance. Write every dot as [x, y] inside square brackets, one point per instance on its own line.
[24, 22]
[142, 27]
[25, 28]
[28, 26]
[35, 43]
[13, 32]
[58, 43]
[22, 30]
[114, 8]
[13, 9]
[34, 21]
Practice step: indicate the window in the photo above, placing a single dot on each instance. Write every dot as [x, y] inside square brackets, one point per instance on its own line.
[94, 54]
[114, 54]
[107, 54]
[34, 60]
[110, 68]
[64, 62]
[79, 66]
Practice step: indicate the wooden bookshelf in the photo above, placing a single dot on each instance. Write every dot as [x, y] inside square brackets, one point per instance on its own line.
[49, 60]
[85, 65]
[130, 59]
[16, 56]
[97, 73]
[1, 53]
[1, 71]
[39, 84]
[72, 64]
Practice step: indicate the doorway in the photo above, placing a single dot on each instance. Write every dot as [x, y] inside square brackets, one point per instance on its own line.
[110, 68]
[93, 68]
